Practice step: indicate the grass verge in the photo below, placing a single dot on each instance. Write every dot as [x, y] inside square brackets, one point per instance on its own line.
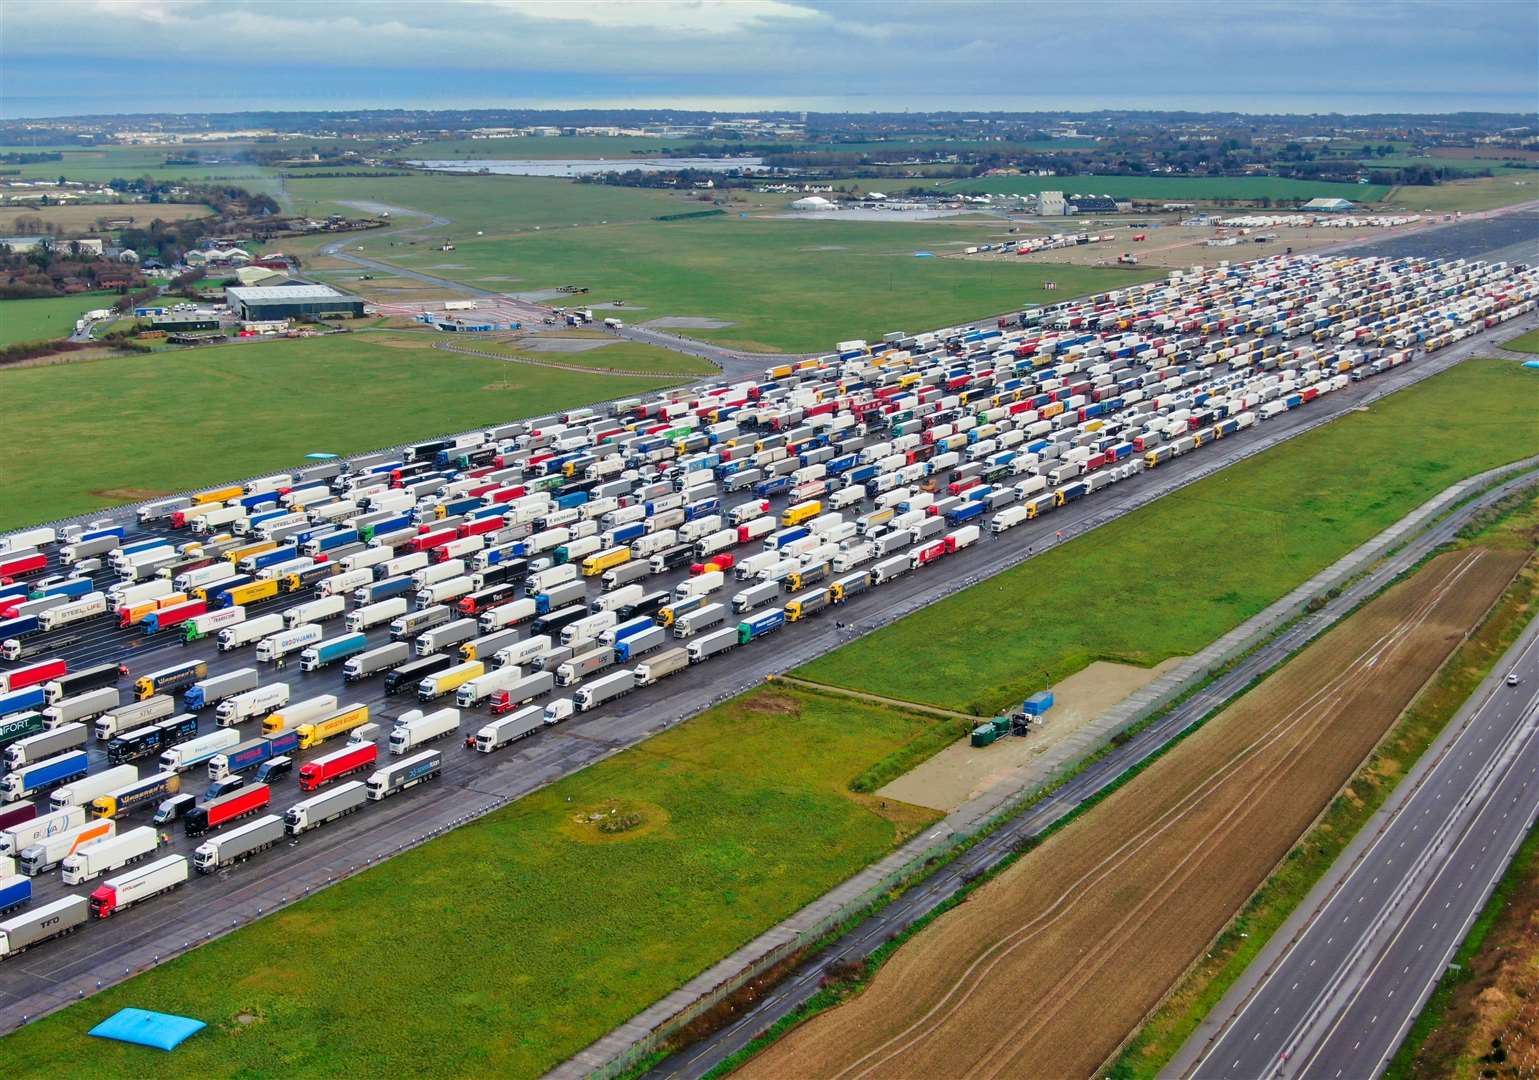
[1176, 575]
[1515, 524]
[1528, 342]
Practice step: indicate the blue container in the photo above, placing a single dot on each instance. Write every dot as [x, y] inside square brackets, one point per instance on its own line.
[1038, 703]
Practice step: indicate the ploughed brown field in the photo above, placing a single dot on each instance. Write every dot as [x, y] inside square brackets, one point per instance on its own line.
[1045, 970]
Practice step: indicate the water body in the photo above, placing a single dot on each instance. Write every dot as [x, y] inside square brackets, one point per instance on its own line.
[587, 166]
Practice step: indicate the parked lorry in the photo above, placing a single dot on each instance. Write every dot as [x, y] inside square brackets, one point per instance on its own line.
[41, 924]
[661, 666]
[381, 611]
[499, 733]
[525, 690]
[200, 626]
[170, 679]
[82, 792]
[251, 703]
[414, 729]
[329, 652]
[449, 680]
[137, 886]
[25, 832]
[375, 661]
[49, 851]
[217, 690]
[251, 753]
[284, 642]
[718, 641]
[355, 757]
[222, 809]
[198, 751]
[81, 707]
[244, 633]
[581, 666]
[344, 720]
[238, 845]
[90, 861]
[326, 807]
[604, 689]
[406, 773]
[484, 686]
[147, 791]
[24, 780]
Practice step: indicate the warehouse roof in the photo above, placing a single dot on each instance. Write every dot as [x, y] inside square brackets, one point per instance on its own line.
[258, 293]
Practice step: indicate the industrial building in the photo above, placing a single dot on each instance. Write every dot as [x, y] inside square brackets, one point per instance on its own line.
[812, 202]
[263, 304]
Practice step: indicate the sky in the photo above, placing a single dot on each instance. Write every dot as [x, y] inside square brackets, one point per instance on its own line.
[73, 57]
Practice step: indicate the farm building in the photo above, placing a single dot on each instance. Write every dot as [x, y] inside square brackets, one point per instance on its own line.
[261, 304]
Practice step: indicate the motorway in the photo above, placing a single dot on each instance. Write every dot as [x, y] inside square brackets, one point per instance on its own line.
[1345, 978]
[475, 783]
[861, 940]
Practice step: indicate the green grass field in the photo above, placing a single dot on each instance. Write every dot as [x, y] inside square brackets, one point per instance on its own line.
[618, 356]
[1171, 578]
[1480, 193]
[1528, 342]
[785, 285]
[47, 319]
[1174, 187]
[183, 419]
[507, 945]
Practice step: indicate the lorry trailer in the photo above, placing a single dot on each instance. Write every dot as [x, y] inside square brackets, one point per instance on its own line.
[90, 861]
[317, 810]
[403, 774]
[414, 729]
[223, 809]
[41, 924]
[238, 845]
[137, 886]
[355, 757]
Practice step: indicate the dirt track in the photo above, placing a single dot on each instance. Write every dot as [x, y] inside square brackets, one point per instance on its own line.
[1045, 970]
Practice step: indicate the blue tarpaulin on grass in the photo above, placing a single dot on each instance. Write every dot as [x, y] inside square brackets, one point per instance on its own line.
[160, 1030]
[1531, 364]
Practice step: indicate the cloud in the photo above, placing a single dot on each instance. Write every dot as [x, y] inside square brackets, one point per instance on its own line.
[1265, 55]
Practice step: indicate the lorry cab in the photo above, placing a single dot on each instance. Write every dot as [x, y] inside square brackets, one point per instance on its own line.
[174, 807]
[274, 769]
[224, 787]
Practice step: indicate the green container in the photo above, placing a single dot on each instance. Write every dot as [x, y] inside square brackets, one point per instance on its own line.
[1001, 725]
[985, 735]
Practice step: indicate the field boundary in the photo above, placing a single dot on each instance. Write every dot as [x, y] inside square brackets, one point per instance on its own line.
[616, 1052]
